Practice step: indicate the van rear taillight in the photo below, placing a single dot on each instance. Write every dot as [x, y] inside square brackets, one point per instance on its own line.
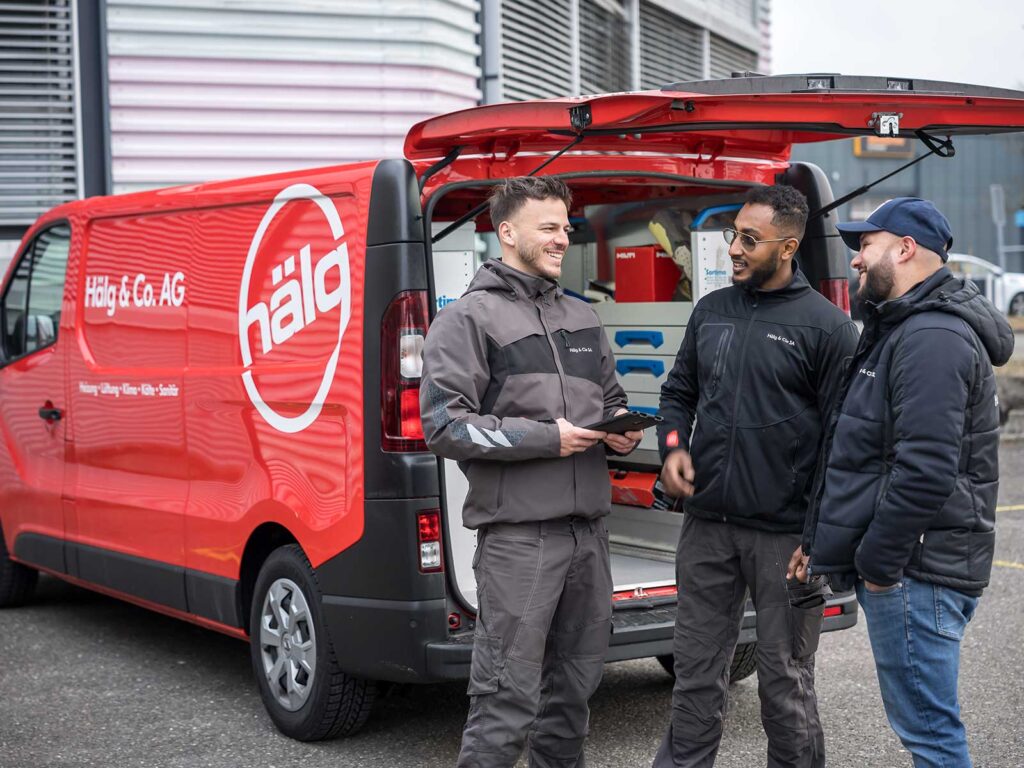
[402, 332]
[837, 290]
[428, 533]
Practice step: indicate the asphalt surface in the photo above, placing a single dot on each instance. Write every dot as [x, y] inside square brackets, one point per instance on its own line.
[86, 680]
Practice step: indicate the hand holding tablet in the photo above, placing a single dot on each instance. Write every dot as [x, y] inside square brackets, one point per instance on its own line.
[629, 421]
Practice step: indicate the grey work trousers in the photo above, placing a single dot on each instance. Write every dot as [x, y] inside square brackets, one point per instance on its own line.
[544, 591]
[715, 565]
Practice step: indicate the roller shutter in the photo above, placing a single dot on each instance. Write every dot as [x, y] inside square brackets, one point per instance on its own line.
[727, 57]
[536, 50]
[671, 48]
[38, 140]
[604, 47]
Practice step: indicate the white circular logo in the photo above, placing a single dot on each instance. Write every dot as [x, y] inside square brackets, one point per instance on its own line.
[301, 296]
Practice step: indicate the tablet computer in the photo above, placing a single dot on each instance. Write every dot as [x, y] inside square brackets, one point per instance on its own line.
[626, 422]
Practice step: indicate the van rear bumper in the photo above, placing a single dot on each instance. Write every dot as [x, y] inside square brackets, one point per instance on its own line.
[637, 633]
[386, 639]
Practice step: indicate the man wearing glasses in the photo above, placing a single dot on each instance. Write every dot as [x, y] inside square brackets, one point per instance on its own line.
[743, 411]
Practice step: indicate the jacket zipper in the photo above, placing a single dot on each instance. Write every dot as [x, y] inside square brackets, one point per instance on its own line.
[719, 361]
[561, 380]
[736, 401]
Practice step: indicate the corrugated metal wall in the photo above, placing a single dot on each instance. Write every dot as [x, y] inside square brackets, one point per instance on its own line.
[207, 89]
[38, 136]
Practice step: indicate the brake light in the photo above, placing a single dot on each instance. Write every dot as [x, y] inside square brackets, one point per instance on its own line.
[833, 610]
[837, 290]
[402, 333]
[428, 533]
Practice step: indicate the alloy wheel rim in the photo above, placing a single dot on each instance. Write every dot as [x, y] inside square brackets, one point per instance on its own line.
[287, 644]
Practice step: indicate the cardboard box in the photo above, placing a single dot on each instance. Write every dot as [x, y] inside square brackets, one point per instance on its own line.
[644, 273]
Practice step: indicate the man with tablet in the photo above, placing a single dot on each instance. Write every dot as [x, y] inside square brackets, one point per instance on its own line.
[511, 372]
[743, 407]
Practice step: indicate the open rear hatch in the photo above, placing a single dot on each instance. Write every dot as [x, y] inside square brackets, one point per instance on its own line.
[752, 120]
[748, 117]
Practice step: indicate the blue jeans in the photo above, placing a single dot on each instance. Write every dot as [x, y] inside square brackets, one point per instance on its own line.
[915, 630]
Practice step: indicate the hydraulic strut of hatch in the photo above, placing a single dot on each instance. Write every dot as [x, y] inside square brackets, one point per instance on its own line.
[935, 147]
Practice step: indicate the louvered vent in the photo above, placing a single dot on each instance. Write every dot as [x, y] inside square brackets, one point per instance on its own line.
[671, 49]
[604, 47]
[536, 53]
[38, 164]
[727, 57]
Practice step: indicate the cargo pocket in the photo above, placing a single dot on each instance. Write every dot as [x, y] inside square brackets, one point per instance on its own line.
[485, 668]
[806, 613]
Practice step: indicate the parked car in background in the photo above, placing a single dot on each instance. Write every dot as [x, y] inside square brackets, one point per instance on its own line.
[1002, 288]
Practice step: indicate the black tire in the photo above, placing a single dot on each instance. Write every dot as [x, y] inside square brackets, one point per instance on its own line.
[1017, 305]
[744, 663]
[324, 702]
[17, 582]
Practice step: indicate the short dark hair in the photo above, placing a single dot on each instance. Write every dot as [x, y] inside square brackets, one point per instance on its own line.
[789, 204]
[512, 194]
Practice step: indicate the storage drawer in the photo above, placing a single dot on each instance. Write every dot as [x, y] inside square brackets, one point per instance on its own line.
[644, 340]
[643, 373]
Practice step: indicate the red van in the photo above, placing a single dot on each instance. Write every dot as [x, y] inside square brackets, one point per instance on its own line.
[208, 394]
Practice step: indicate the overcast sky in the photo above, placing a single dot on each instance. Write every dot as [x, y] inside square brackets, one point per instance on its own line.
[979, 42]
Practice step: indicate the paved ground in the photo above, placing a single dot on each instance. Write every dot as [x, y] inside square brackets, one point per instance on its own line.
[90, 681]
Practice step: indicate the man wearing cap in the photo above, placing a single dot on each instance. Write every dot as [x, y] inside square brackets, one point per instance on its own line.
[904, 498]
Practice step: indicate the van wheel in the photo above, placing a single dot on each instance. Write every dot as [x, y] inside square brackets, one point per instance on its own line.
[744, 663]
[307, 696]
[1017, 305]
[17, 582]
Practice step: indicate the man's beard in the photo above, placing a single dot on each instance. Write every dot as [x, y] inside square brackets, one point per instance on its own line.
[877, 282]
[535, 259]
[762, 274]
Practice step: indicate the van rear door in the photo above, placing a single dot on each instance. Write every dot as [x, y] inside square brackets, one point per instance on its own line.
[750, 117]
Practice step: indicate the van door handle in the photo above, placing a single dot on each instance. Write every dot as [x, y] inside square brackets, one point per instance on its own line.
[50, 414]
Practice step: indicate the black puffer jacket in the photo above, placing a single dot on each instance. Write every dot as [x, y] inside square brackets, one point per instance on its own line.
[757, 372]
[910, 471]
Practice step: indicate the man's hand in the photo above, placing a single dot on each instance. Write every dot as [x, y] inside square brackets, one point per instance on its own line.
[798, 565]
[576, 439]
[625, 442]
[677, 474]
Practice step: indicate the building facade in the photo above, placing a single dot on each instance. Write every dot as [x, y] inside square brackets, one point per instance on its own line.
[961, 186]
[109, 96]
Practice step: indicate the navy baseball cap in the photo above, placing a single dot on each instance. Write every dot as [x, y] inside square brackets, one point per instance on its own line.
[904, 217]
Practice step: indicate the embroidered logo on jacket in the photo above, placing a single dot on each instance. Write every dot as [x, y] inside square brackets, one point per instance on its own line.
[783, 339]
[866, 372]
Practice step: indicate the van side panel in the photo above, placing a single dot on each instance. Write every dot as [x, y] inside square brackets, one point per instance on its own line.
[275, 381]
[127, 393]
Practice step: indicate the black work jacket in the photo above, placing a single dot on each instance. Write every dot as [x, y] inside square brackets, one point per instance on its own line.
[909, 474]
[753, 378]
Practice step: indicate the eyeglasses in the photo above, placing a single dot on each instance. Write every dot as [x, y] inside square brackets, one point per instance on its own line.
[748, 243]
